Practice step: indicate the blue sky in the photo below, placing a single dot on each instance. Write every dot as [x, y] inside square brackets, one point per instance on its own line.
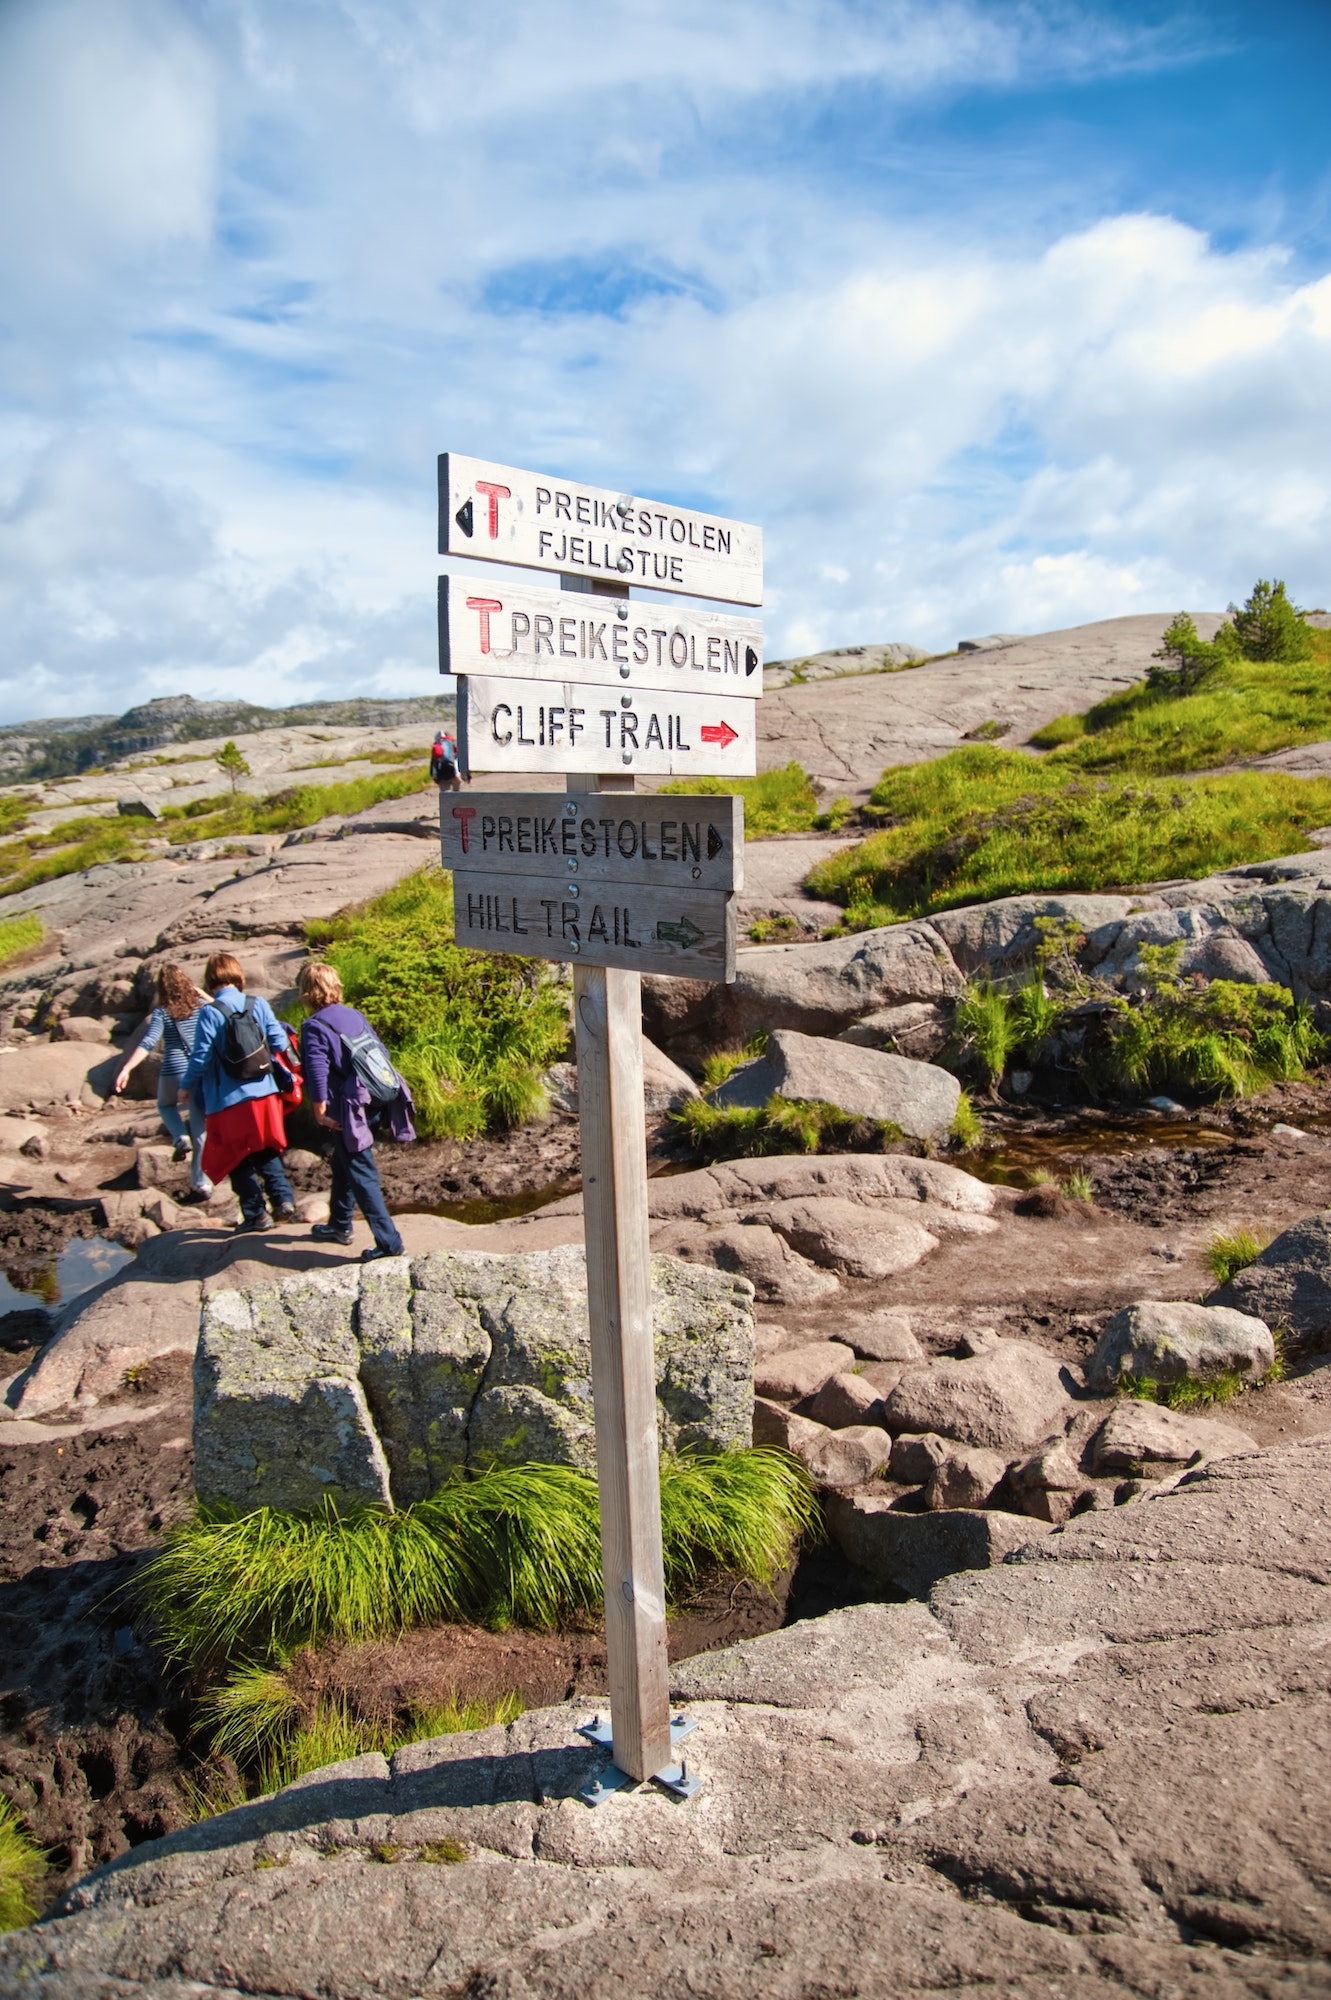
[996, 316]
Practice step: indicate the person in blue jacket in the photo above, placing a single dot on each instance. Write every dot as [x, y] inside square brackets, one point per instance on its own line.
[340, 1102]
[171, 1024]
[246, 1125]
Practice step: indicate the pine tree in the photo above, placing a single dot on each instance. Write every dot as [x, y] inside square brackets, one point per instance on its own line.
[1269, 627]
[232, 761]
[1187, 658]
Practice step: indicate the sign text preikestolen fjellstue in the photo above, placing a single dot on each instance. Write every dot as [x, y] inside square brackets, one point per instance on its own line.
[534, 634]
[503, 514]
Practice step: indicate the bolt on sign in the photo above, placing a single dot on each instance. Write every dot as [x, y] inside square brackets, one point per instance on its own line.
[504, 515]
[645, 884]
[545, 634]
[511, 725]
[615, 884]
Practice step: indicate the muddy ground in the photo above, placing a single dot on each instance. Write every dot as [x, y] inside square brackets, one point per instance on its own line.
[98, 1750]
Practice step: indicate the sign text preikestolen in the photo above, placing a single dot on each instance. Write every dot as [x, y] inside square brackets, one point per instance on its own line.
[666, 841]
[506, 515]
[518, 725]
[535, 634]
[686, 931]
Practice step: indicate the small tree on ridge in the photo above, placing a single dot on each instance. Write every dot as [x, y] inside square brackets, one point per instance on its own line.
[232, 761]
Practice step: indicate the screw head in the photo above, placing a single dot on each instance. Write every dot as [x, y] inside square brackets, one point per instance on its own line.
[628, 757]
[626, 701]
[571, 809]
[623, 673]
[573, 944]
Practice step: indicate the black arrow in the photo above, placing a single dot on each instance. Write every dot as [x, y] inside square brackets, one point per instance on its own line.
[464, 518]
[750, 657]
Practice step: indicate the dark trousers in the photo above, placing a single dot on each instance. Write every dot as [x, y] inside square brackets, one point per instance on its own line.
[356, 1179]
[259, 1174]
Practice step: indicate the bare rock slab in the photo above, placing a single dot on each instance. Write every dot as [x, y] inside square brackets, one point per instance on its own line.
[849, 1238]
[1005, 1399]
[752, 1250]
[1177, 1341]
[919, 1098]
[374, 1384]
[884, 1336]
[912, 1552]
[802, 1371]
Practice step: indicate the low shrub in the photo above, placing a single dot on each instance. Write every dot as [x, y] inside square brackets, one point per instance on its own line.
[781, 801]
[470, 1031]
[1206, 1039]
[1230, 1252]
[519, 1544]
[22, 1870]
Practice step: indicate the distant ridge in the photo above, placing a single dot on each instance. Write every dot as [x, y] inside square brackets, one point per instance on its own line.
[65, 745]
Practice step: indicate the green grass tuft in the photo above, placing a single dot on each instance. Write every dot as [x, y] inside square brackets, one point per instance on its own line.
[1187, 1395]
[519, 1544]
[1232, 1251]
[471, 1031]
[967, 1131]
[781, 801]
[22, 1870]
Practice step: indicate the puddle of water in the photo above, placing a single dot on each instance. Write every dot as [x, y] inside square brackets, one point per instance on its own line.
[1021, 1154]
[83, 1263]
[505, 1208]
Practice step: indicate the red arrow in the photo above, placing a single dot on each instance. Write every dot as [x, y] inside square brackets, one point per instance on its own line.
[719, 732]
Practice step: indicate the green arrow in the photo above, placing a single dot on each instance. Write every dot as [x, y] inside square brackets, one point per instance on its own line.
[683, 934]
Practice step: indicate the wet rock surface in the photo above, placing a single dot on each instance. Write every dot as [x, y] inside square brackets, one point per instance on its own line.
[1026, 1783]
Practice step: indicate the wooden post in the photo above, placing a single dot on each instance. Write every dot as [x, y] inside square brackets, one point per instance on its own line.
[608, 1014]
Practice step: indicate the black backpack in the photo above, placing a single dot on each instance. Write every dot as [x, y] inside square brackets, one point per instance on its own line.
[246, 1055]
[371, 1062]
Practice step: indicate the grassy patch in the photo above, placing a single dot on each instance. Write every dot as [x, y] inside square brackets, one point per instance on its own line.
[519, 1544]
[19, 935]
[87, 841]
[363, 757]
[781, 801]
[983, 822]
[1230, 1252]
[1244, 708]
[471, 1031]
[773, 930]
[782, 1125]
[22, 1868]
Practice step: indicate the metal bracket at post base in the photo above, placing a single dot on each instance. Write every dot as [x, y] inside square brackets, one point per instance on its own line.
[676, 1779]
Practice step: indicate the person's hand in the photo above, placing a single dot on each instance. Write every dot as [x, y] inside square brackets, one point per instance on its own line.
[122, 1078]
[333, 1124]
[182, 1100]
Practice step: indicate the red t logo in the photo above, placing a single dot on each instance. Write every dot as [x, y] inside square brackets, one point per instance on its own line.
[465, 814]
[483, 606]
[494, 494]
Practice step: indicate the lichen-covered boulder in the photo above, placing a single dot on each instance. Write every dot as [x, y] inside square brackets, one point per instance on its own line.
[374, 1384]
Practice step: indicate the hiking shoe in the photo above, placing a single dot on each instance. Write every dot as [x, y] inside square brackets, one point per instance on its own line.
[244, 1228]
[376, 1250]
[181, 1152]
[328, 1232]
[285, 1214]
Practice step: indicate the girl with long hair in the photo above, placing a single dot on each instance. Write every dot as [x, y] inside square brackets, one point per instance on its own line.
[171, 1025]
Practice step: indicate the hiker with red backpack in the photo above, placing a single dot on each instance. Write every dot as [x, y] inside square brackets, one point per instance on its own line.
[238, 1045]
[354, 1090]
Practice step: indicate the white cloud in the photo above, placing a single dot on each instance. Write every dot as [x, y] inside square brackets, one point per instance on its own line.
[267, 257]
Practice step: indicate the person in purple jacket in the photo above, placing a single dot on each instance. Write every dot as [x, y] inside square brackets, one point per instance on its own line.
[341, 1103]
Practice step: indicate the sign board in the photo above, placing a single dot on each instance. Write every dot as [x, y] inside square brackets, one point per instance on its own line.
[543, 634]
[660, 840]
[505, 515]
[513, 725]
[640, 928]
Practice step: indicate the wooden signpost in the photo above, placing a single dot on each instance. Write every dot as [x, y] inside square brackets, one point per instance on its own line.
[616, 884]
